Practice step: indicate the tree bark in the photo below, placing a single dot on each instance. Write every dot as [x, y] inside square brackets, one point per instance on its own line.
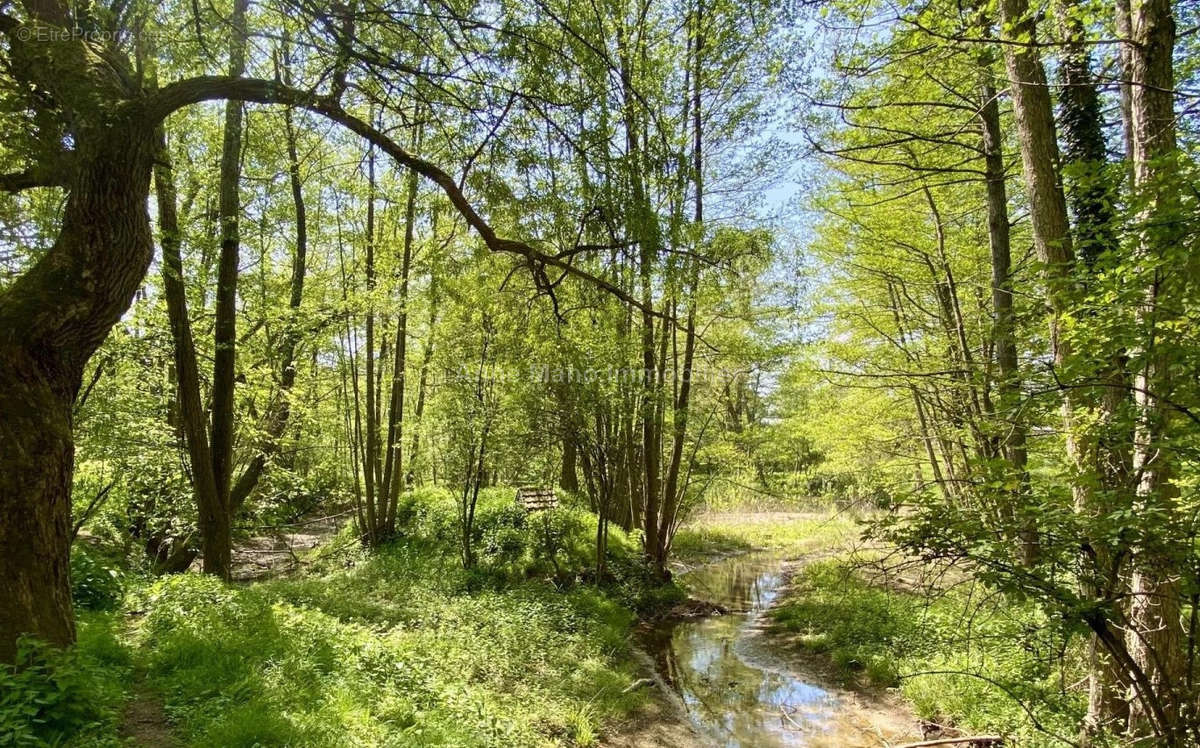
[644, 225]
[569, 473]
[371, 439]
[1090, 197]
[1155, 635]
[395, 438]
[1053, 242]
[672, 492]
[423, 378]
[193, 419]
[1048, 211]
[216, 522]
[1012, 437]
[52, 319]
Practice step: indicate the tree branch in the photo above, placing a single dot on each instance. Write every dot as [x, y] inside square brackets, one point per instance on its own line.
[183, 93]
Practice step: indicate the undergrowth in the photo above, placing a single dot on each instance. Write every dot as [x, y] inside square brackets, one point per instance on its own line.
[965, 657]
[397, 646]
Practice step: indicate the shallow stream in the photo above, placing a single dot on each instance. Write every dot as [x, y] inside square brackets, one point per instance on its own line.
[737, 689]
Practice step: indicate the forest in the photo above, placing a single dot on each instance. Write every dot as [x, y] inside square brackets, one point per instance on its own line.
[600, 373]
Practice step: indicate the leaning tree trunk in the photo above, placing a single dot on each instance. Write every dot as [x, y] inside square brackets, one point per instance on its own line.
[192, 418]
[52, 319]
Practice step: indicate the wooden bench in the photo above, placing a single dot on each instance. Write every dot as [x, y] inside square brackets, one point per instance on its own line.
[533, 499]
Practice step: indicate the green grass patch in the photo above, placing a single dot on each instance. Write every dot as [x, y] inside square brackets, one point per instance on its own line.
[396, 652]
[965, 657]
[392, 647]
[716, 534]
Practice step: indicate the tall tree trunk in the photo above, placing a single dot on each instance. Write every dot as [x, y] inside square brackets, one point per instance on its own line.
[568, 479]
[1123, 22]
[1053, 241]
[644, 225]
[395, 438]
[1012, 437]
[1090, 197]
[926, 434]
[1155, 636]
[1048, 211]
[672, 493]
[423, 379]
[371, 441]
[52, 319]
[193, 418]
[216, 522]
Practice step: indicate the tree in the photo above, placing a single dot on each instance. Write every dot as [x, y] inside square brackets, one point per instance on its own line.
[903, 334]
[56, 314]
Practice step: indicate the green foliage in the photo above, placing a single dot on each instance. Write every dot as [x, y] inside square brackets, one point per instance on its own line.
[963, 657]
[395, 650]
[64, 697]
[97, 581]
[399, 646]
[860, 626]
[287, 496]
[638, 586]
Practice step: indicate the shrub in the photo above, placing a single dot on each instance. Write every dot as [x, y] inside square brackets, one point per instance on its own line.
[54, 695]
[286, 496]
[561, 539]
[97, 583]
[500, 533]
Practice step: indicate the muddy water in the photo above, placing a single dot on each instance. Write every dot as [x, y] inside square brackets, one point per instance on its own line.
[735, 689]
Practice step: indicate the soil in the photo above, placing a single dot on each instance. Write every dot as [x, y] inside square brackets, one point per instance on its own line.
[144, 722]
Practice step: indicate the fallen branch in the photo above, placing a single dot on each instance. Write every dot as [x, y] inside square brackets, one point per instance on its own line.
[974, 740]
[305, 523]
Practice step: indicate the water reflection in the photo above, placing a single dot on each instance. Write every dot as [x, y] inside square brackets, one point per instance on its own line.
[735, 689]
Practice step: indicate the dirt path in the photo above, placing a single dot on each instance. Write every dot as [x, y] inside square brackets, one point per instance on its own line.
[276, 551]
[144, 723]
[658, 723]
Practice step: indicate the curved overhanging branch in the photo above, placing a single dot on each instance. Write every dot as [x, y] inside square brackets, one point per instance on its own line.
[158, 105]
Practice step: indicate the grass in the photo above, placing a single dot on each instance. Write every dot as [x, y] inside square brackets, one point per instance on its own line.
[965, 656]
[395, 647]
[962, 657]
[715, 534]
[401, 646]
[397, 651]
